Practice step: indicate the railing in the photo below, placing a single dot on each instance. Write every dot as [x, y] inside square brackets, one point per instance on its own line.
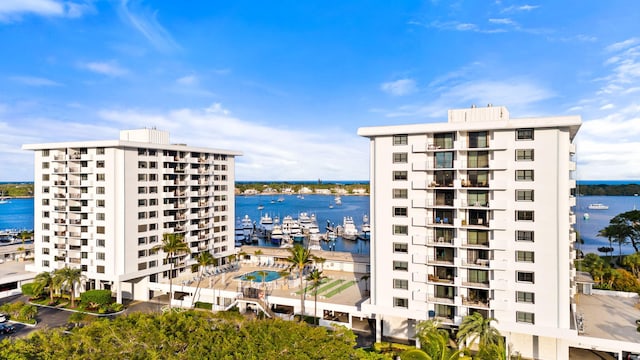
[476, 263]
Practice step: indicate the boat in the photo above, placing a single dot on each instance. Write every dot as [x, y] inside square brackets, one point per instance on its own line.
[349, 230]
[366, 228]
[266, 223]
[337, 200]
[276, 234]
[585, 216]
[260, 207]
[3, 199]
[247, 226]
[598, 206]
[239, 237]
[281, 199]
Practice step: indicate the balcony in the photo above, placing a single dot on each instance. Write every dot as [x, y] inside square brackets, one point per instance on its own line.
[441, 299]
[474, 184]
[441, 280]
[482, 263]
[480, 303]
[475, 243]
[475, 283]
[441, 260]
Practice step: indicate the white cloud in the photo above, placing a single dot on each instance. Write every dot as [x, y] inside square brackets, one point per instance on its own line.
[622, 45]
[13, 10]
[399, 87]
[105, 68]
[503, 21]
[34, 81]
[515, 8]
[146, 22]
[607, 107]
[187, 80]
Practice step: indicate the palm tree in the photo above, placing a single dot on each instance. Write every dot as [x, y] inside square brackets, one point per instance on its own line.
[316, 277]
[68, 278]
[263, 275]
[204, 259]
[45, 280]
[257, 253]
[435, 341]
[299, 258]
[172, 245]
[476, 326]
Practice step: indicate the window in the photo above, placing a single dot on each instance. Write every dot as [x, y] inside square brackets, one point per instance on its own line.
[400, 266]
[400, 139]
[444, 141]
[400, 248]
[478, 237]
[142, 164]
[399, 158]
[524, 195]
[100, 203]
[524, 256]
[100, 151]
[100, 190]
[478, 139]
[142, 266]
[100, 164]
[478, 159]
[400, 302]
[142, 253]
[524, 235]
[45, 165]
[100, 177]
[524, 215]
[100, 256]
[399, 175]
[478, 276]
[400, 284]
[444, 160]
[142, 215]
[525, 317]
[142, 202]
[100, 269]
[527, 277]
[399, 193]
[142, 177]
[45, 251]
[142, 190]
[400, 211]
[100, 243]
[400, 230]
[99, 229]
[45, 177]
[524, 175]
[84, 255]
[525, 297]
[45, 263]
[45, 152]
[100, 216]
[524, 154]
[524, 134]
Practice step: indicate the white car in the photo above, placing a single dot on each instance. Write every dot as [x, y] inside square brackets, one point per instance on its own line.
[3, 318]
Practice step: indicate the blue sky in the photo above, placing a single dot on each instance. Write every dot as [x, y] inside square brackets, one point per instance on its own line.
[288, 83]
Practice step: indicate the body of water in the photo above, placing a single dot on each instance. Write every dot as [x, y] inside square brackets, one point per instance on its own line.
[354, 206]
[18, 214]
[599, 219]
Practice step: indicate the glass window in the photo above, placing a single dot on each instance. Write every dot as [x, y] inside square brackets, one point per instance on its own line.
[400, 139]
[45, 165]
[524, 134]
[400, 302]
[400, 211]
[477, 197]
[45, 152]
[400, 229]
[99, 216]
[100, 269]
[100, 242]
[100, 256]
[399, 193]
[524, 215]
[525, 297]
[524, 154]
[99, 229]
[478, 237]
[399, 158]
[444, 141]
[478, 276]
[478, 159]
[400, 265]
[399, 175]
[525, 317]
[100, 177]
[524, 235]
[523, 276]
[100, 190]
[524, 256]
[444, 160]
[478, 139]
[524, 195]
[400, 284]
[400, 248]
[524, 175]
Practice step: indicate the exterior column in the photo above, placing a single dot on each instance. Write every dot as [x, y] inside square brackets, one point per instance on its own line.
[118, 292]
[378, 328]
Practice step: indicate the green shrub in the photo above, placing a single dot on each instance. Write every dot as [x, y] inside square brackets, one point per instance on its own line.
[96, 298]
[384, 347]
[116, 307]
[28, 289]
[414, 354]
[203, 305]
[103, 309]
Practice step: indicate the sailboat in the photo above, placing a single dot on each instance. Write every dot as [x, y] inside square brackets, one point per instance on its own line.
[3, 199]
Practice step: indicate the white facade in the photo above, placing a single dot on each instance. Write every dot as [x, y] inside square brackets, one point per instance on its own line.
[103, 206]
[475, 215]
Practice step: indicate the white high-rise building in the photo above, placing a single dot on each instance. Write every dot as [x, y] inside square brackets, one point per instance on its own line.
[475, 215]
[102, 206]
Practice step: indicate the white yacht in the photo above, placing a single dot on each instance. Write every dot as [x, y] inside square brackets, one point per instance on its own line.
[598, 206]
[349, 230]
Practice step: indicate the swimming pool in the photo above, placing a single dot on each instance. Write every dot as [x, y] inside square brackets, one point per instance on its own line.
[257, 276]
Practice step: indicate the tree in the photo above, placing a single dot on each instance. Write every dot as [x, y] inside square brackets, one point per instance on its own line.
[435, 341]
[299, 258]
[476, 326]
[630, 221]
[633, 262]
[45, 280]
[68, 278]
[315, 277]
[204, 259]
[173, 245]
[606, 234]
[366, 278]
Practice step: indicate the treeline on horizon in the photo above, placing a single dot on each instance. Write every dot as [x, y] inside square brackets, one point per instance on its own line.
[23, 189]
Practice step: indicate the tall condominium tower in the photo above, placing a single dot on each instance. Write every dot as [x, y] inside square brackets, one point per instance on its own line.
[475, 215]
[103, 206]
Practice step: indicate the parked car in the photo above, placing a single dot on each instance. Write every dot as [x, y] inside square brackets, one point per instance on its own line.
[3, 318]
[6, 329]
